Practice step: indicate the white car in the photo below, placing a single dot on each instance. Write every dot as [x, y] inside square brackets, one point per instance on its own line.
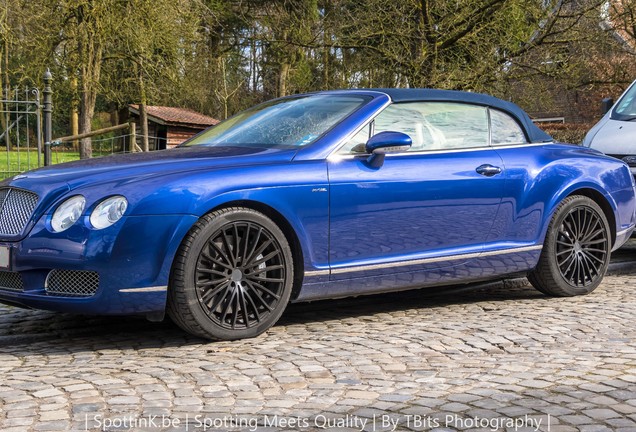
[615, 133]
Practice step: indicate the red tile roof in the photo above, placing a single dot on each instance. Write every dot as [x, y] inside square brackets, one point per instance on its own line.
[175, 116]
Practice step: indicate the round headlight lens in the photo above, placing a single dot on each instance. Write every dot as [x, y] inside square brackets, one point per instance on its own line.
[68, 213]
[108, 212]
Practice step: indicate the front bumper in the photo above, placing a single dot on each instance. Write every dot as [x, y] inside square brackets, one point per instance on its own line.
[121, 270]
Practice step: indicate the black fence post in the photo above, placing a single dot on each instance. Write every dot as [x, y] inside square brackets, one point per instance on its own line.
[48, 112]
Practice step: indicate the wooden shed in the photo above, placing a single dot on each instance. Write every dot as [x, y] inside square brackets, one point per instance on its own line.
[170, 126]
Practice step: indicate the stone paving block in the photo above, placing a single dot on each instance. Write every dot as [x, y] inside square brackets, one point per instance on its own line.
[53, 415]
[595, 428]
[47, 393]
[492, 353]
[601, 413]
[17, 421]
[60, 425]
[621, 423]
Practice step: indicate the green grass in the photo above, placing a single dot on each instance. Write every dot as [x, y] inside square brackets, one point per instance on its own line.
[15, 162]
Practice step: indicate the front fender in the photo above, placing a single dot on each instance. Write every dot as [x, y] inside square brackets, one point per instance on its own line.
[298, 191]
[302, 199]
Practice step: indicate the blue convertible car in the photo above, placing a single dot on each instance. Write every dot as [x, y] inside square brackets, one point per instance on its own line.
[314, 196]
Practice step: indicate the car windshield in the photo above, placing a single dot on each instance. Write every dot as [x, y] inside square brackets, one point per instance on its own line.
[626, 107]
[289, 122]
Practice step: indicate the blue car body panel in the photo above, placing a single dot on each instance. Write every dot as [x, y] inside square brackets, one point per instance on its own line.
[426, 197]
[420, 219]
[537, 181]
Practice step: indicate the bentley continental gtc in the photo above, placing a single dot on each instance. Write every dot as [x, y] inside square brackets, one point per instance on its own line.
[314, 196]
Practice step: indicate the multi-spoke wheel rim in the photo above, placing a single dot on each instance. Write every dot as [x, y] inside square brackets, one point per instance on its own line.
[240, 275]
[582, 247]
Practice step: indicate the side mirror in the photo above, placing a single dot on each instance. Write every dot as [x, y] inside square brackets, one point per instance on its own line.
[606, 105]
[385, 143]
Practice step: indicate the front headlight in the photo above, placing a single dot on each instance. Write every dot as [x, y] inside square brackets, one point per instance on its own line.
[108, 212]
[68, 213]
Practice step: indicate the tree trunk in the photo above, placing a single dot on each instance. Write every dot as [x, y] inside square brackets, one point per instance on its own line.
[4, 90]
[325, 68]
[143, 120]
[87, 109]
[225, 92]
[90, 52]
[326, 52]
[282, 78]
[88, 97]
[143, 115]
[74, 112]
[3, 120]
[254, 61]
[6, 64]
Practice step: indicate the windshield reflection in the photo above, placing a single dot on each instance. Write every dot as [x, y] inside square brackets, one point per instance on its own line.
[289, 122]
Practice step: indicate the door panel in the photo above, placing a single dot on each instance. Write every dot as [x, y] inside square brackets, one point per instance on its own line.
[415, 206]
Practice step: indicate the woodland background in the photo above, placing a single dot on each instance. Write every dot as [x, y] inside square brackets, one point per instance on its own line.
[552, 57]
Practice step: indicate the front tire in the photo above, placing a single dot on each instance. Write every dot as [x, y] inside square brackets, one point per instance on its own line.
[576, 250]
[232, 276]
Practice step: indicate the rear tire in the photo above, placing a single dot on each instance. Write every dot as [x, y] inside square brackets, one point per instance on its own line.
[232, 276]
[576, 250]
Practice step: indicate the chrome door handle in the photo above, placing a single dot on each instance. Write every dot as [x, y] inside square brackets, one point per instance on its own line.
[488, 170]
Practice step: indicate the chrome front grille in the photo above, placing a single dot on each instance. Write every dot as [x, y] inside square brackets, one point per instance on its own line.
[16, 208]
[11, 281]
[72, 283]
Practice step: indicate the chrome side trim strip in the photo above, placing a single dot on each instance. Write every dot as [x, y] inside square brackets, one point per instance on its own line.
[339, 157]
[317, 273]
[434, 260]
[513, 250]
[144, 289]
[516, 145]
[625, 231]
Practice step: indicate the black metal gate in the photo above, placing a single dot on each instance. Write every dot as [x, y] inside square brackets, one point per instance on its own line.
[21, 135]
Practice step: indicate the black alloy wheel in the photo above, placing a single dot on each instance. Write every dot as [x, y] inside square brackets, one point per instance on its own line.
[576, 250]
[240, 275]
[582, 246]
[232, 277]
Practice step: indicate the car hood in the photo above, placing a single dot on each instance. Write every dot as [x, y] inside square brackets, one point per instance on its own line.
[138, 166]
[616, 138]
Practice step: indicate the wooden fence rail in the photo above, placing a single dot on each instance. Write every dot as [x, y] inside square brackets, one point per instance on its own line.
[131, 126]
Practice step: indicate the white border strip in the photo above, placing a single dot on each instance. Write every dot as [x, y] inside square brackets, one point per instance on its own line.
[317, 273]
[625, 231]
[144, 289]
[434, 260]
[348, 156]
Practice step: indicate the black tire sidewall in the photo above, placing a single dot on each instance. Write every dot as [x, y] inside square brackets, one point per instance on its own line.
[199, 240]
[550, 247]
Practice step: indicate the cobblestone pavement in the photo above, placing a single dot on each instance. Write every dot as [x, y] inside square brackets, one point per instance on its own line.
[498, 358]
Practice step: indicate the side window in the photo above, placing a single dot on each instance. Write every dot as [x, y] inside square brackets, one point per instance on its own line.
[357, 142]
[431, 126]
[452, 126]
[505, 130]
[408, 119]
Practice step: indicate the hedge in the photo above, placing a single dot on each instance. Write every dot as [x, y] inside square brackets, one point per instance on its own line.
[567, 132]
